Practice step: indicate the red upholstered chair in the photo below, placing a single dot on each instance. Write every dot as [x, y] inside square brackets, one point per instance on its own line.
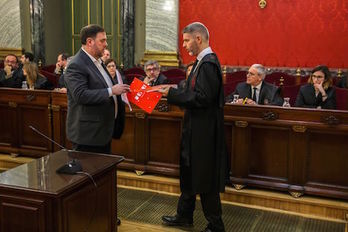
[238, 76]
[49, 68]
[174, 75]
[341, 98]
[134, 70]
[231, 86]
[130, 77]
[175, 72]
[291, 92]
[275, 78]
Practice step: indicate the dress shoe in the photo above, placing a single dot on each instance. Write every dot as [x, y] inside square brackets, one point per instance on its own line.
[177, 221]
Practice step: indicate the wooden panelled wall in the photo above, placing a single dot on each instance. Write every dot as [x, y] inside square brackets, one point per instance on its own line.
[289, 149]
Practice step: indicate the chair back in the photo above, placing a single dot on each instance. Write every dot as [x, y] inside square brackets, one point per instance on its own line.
[291, 92]
[341, 98]
[134, 70]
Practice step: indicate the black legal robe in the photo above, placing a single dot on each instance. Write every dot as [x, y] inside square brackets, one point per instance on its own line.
[203, 158]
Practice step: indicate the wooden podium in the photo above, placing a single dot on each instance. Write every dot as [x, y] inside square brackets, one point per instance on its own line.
[33, 197]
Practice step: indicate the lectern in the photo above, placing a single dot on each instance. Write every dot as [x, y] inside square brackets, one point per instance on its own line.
[33, 197]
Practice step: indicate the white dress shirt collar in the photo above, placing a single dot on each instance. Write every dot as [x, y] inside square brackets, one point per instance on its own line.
[203, 53]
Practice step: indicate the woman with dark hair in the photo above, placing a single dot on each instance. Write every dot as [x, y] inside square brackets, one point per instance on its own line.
[34, 79]
[318, 93]
[111, 67]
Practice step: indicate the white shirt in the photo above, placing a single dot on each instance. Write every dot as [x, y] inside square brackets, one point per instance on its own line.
[202, 54]
[258, 88]
[123, 95]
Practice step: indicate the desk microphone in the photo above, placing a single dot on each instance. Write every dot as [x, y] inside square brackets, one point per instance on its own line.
[71, 167]
[46, 137]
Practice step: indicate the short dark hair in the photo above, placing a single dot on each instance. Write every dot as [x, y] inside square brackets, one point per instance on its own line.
[108, 61]
[29, 55]
[64, 56]
[90, 31]
[199, 28]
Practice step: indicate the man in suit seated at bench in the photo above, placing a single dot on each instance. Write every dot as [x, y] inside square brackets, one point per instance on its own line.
[255, 90]
[12, 75]
[153, 75]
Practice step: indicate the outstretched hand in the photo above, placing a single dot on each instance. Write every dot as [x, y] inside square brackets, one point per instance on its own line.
[164, 89]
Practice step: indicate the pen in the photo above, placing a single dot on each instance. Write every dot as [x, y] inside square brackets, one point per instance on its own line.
[244, 101]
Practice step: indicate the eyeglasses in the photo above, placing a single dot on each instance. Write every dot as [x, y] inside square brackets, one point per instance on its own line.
[151, 69]
[111, 66]
[317, 77]
[251, 74]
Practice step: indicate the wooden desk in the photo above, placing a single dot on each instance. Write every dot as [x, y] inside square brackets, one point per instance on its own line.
[290, 149]
[19, 109]
[33, 197]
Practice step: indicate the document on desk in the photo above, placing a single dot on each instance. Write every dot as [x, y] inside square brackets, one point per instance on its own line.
[139, 96]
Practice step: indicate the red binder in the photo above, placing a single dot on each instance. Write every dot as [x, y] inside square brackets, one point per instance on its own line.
[139, 96]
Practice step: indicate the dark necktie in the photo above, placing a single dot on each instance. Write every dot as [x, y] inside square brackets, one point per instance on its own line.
[254, 94]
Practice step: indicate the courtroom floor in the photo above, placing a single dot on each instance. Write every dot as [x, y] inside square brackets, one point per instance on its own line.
[141, 211]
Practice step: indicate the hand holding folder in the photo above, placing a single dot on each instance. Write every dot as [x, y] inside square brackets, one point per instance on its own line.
[140, 96]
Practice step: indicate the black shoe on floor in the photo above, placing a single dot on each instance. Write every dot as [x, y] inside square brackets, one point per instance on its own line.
[177, 221]
[118, 222]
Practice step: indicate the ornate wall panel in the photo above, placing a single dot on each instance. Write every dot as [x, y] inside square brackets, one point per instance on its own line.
[10, 25]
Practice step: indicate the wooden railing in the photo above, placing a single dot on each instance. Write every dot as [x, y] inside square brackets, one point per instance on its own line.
[303, 151]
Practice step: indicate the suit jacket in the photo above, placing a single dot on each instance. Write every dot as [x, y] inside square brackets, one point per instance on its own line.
[306, 98]
[13, 82]
[42, 83]
[269, 94]
[91, 112]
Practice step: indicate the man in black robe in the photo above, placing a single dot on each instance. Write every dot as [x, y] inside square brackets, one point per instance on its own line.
[203, 158]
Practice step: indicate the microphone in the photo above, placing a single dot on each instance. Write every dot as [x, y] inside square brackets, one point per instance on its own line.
[72, 167]
[46, 137]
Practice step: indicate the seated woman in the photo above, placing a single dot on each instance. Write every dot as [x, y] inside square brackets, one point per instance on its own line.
[112, 69]
[34, 79]
[318, 93]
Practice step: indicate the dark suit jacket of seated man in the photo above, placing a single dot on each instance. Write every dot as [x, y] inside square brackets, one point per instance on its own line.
[267, 94]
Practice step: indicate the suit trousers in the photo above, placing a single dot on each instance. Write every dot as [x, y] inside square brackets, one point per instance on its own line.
[106, 149]
[211, 205]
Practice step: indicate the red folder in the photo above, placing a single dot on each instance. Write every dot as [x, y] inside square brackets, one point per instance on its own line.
[139, 96]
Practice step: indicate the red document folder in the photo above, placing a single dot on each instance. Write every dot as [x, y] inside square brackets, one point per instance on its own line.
[139, 96]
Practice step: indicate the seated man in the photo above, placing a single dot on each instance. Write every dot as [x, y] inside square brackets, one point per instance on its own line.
[27, 57]
[106, 55]
[62, 61]
[153, 75]
[255, 90]
[11, 76]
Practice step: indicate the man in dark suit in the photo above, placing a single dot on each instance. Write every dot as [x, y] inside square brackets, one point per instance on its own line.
[153, 75]
[94, 103]
[255, 90]
[12, 75]
[203, 157]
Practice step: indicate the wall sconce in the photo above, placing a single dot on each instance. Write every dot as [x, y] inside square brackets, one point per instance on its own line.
[262, 4]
